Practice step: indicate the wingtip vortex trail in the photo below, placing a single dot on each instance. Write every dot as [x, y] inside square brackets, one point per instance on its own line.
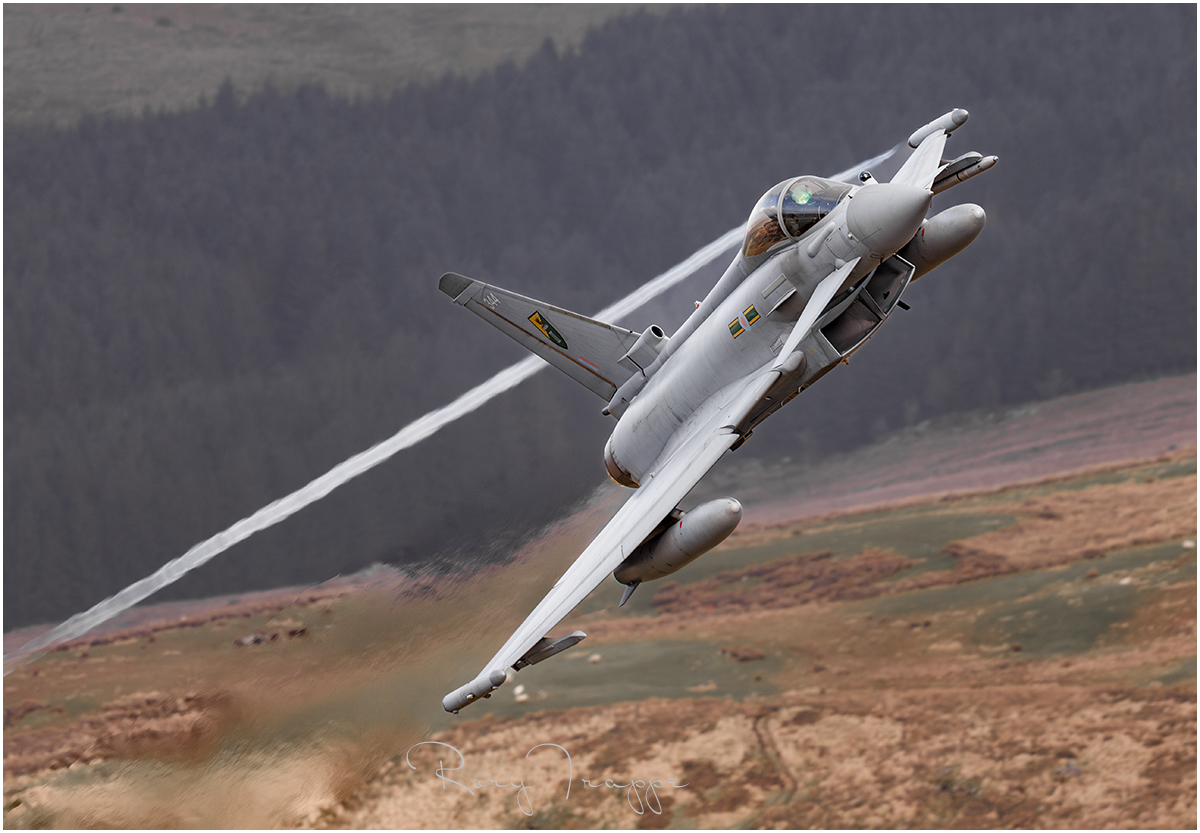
[413, 433]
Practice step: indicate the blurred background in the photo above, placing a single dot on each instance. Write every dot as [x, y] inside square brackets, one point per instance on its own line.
[224, 227]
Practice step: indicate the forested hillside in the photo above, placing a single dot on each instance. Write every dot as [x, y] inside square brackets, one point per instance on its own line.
[63, 60]
[204, 310]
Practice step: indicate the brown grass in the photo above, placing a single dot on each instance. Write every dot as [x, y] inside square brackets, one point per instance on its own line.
[1011, 756]
[752, 534]
[795, 580]
[1055, 529]
[1069, 526]
[880, 722]
[877, 721]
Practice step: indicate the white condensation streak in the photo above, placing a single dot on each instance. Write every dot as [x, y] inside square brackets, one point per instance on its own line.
[407, 437]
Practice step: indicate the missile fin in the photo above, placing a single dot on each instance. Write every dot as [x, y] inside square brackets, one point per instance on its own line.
[628, 592]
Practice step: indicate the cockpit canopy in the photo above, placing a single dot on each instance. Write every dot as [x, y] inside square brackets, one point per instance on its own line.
[790, 209]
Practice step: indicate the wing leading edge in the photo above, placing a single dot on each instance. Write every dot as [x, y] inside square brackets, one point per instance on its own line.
[671, 478]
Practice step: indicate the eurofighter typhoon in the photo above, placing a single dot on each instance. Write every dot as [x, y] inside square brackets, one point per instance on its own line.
[822, 265]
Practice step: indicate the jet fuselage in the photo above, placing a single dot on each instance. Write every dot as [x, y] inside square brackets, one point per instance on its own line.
[823, 263]
[764, 296]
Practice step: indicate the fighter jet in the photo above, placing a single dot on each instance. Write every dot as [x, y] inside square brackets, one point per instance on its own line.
[822, 265]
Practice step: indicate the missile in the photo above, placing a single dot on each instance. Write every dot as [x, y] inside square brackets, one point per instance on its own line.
[943, 236]
[546, 647]
[694, 534]
[962, 169]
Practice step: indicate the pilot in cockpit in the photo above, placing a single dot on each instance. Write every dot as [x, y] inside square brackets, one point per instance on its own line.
[790, 209]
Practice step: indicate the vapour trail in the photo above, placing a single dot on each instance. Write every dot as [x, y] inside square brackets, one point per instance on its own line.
[408, 436]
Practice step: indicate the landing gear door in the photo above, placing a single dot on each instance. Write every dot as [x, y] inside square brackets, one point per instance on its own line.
[889, 282]
[848, 331]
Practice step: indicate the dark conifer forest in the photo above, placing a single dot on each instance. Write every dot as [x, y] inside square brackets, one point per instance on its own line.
[205, 309]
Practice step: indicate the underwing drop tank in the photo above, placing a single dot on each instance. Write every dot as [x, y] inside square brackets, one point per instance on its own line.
[685, 540]
[943, 236]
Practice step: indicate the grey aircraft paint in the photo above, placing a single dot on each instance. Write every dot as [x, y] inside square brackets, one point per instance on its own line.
[822, 266]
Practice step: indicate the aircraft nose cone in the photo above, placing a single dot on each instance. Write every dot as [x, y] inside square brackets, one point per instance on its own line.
[885, 216]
